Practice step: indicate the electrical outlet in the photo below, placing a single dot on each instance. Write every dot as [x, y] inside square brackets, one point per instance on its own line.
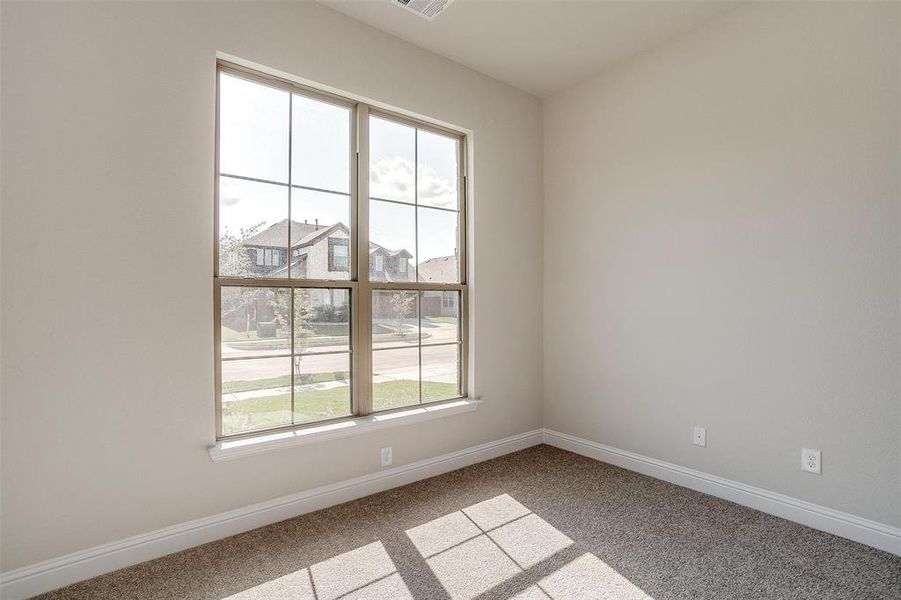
[700, 437]
[386, 456]
[811, 461]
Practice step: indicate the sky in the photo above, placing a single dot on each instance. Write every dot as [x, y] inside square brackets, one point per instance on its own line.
[254, 131]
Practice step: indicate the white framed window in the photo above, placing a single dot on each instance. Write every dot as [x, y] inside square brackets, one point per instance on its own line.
[325, 180]
[339, 254]
[342, 259]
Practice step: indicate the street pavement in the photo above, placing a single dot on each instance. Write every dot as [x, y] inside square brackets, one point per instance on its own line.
[401, 361]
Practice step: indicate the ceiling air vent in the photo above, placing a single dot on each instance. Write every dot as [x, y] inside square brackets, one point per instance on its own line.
[427, 9]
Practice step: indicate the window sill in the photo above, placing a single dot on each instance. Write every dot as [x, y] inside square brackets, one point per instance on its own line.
[268, 442]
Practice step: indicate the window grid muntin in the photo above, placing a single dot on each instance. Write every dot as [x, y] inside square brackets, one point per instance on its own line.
[416, 205]
[359, 286]
[290, 354]
[459, 342]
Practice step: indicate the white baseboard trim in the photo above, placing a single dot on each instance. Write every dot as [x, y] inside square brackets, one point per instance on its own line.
[858, 529]
[78, 566]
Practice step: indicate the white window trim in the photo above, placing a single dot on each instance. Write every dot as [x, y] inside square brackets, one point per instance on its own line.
[352, 426]
[361, 286]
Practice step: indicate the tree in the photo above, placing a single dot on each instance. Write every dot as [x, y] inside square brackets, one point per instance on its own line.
[303, 312]
[401, 306]
[302, 315]
[234, 261]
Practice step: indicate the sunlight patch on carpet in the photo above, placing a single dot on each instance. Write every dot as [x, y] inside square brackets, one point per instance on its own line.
[476, 549]
[480, 547]
[365, 572]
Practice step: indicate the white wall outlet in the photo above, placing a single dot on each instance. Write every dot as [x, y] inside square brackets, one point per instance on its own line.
[386, 456]
[811, 462]
[700, 437]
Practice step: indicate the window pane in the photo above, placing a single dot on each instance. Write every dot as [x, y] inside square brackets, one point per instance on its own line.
[395, 319]
[284, 211]
[321, 320]
[440, 317]
[254, 322]
[440, 372]
[317, 217]
[392, 172]
[256, 394]
[320, 141]
[436, 173]
[253, 129]
[321, 387]
[339, 255]
[253, 228]
[395, 378]
[392, 235]
[438, 245]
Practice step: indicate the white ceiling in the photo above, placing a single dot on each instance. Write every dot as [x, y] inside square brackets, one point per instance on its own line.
[540, 46]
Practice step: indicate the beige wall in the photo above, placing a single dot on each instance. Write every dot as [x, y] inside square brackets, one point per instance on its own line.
[722, 249]
[722, 226]
[107, 369]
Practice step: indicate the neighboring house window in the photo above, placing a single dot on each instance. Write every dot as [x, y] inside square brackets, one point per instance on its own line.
[267, 257]
[288, 341]
[338, 254]
[272, 258]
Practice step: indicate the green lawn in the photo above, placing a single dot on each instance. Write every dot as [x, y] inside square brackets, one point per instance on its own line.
[241, 385]
[275, 410]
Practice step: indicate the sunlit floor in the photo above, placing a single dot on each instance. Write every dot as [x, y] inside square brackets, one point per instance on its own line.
[538, 524]
[470, 552]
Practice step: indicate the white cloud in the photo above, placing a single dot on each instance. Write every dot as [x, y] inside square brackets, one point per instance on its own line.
[392, 178]
[228, 192]
[436, 190]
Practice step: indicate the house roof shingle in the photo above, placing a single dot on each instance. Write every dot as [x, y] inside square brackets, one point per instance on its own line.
[302, 234]
[373, 248]
[276, 235]
[442, 268]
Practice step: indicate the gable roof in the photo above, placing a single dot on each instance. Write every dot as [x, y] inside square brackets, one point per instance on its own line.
[302, 234]
[373, 248]
[314, 236]
[442, 268]
[306, 234]
[276, 235]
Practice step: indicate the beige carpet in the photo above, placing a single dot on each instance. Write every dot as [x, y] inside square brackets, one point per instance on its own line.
[541, 523]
